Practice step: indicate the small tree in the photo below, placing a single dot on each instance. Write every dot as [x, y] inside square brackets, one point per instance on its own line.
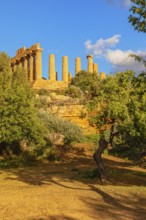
[18, 117]
[122, 100]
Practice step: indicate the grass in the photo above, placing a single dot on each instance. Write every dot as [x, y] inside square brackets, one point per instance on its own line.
[69, 189]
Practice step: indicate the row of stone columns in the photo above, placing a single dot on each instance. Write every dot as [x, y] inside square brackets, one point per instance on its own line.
[30, 60]
[92, 67]
[52, 70]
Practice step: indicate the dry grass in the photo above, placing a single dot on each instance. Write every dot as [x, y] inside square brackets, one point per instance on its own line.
[56, 191]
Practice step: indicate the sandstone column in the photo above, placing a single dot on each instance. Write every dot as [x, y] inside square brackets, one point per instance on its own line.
[90, 63]
[102, 75]
[65, 68]
[52, 71]
[25, 64]
[95, 67]
[31, 65]
[77, 65]
[38, 63]
[56, 76]
[69, 77]
[20, 64]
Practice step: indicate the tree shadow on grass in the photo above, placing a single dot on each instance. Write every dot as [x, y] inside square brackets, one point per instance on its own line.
[54, 217]
[125, 173]
[74, 169]
[68, 174]
[117, 206]
[107, 206]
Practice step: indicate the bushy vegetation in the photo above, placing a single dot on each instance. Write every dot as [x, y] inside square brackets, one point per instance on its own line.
[71, 132]
[18, 116]
[138, 15]
[24, 132]
[88, 83]
[74, 92]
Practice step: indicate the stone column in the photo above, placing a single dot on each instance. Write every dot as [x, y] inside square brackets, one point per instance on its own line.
[90, 63]
[77, 65]
[69, 77]
[26, 65]
[38, 63]
[56, 76]
[102, 75]
[20, 64]
[95, 67]
[52, 71]
[31, 65]
[65, 69]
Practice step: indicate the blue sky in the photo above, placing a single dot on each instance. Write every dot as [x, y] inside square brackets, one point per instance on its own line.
[73, 28]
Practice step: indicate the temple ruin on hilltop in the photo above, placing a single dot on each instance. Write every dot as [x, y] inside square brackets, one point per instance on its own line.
[31, 60]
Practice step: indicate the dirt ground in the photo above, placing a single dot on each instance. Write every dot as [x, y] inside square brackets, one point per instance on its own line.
[62, 191]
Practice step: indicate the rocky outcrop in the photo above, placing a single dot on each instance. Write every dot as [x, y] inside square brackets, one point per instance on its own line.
[70, 109]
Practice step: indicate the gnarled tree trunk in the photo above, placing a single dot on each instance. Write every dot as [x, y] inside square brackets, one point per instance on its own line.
[103, 144]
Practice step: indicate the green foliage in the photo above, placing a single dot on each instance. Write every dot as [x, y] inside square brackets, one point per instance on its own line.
[138, 16]
[42, 102]
[50, 153]
[74, 92]
[92, 138]
[87, 174]
[118, 108]
[138, 21]
[18, 116]
[26, 159]
[139, 59]
[123, 105]
[44, 92]
[87, 82]
[71, 132]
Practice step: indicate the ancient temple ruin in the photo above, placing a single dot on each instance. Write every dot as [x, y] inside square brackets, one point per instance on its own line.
[31, 60]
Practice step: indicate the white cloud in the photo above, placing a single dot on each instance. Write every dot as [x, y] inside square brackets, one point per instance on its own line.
[123, 3]
[101, 45]
[119, 60]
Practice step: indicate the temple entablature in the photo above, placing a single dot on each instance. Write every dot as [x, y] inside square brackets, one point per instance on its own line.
[31, 60]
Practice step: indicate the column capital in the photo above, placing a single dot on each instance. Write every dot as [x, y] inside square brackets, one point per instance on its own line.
[89, 56]
[38, 50]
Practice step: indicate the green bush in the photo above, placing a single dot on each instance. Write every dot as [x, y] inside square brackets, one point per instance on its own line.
[71, 132]
[74, 92]
[92, 138]
[42, 102]
[43, 92]
[26, 159]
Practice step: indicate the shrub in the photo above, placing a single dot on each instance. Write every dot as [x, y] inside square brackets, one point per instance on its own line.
[71, 132]
[92, 138]
[43, 92]
[74, 92]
